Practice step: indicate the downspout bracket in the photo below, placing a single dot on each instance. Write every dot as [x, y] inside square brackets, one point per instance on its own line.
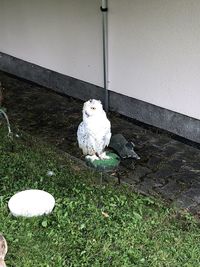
[104, 9]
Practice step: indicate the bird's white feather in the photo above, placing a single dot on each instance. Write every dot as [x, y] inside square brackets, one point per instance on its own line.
[94, 132]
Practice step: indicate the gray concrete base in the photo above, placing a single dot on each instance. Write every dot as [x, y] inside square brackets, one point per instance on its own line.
[171, 121]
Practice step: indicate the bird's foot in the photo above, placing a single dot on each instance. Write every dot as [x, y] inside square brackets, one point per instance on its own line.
[92, 158]
[104, 156]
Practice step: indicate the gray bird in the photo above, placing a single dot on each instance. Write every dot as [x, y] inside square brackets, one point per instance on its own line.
[124, 148]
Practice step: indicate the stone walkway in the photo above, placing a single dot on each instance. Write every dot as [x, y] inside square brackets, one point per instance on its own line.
[167, 168]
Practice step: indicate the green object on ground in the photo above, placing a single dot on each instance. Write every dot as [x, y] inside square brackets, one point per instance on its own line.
[104, 164]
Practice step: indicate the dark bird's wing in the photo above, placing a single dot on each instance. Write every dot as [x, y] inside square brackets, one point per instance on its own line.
[124, 148]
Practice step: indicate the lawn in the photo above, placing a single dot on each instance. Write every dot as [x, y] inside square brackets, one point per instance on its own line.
[92, 224]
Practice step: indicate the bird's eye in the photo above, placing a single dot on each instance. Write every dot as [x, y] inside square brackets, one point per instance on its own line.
[93, 108]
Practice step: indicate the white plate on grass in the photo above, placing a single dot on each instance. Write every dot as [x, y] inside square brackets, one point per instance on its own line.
[31, 203]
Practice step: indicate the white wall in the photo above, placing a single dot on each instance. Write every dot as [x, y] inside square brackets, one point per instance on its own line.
[154, 52]
[154, 45]
[62, 35]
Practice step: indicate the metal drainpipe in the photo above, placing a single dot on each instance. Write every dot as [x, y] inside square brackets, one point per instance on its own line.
[104, 9]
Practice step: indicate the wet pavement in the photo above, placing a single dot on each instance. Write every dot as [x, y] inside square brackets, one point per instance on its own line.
[168, 168]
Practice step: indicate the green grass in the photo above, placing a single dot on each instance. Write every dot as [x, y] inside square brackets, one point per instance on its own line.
[138, 230]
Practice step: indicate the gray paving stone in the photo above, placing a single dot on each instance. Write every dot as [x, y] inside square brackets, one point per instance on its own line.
[193, 167]
[176, 164]
[169, 151]
[146, 187]
[161, 140]
[187, 155]
[154, 162]
[187, 178]
[136, 175]
[171, 190]
[129, 180]
[184, 202]
[141, 171]
[129, 163]
[193, 193]
[195, 210]
[164, 171]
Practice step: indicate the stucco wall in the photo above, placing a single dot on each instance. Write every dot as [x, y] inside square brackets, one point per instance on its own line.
[154, 45]
[64, 35]
[154, 49]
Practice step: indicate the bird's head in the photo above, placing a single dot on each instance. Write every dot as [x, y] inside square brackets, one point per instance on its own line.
[92, 108]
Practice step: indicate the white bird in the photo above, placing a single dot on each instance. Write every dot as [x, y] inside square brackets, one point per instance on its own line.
[94, 132]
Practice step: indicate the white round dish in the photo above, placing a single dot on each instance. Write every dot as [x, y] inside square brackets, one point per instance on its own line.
[30, 203]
